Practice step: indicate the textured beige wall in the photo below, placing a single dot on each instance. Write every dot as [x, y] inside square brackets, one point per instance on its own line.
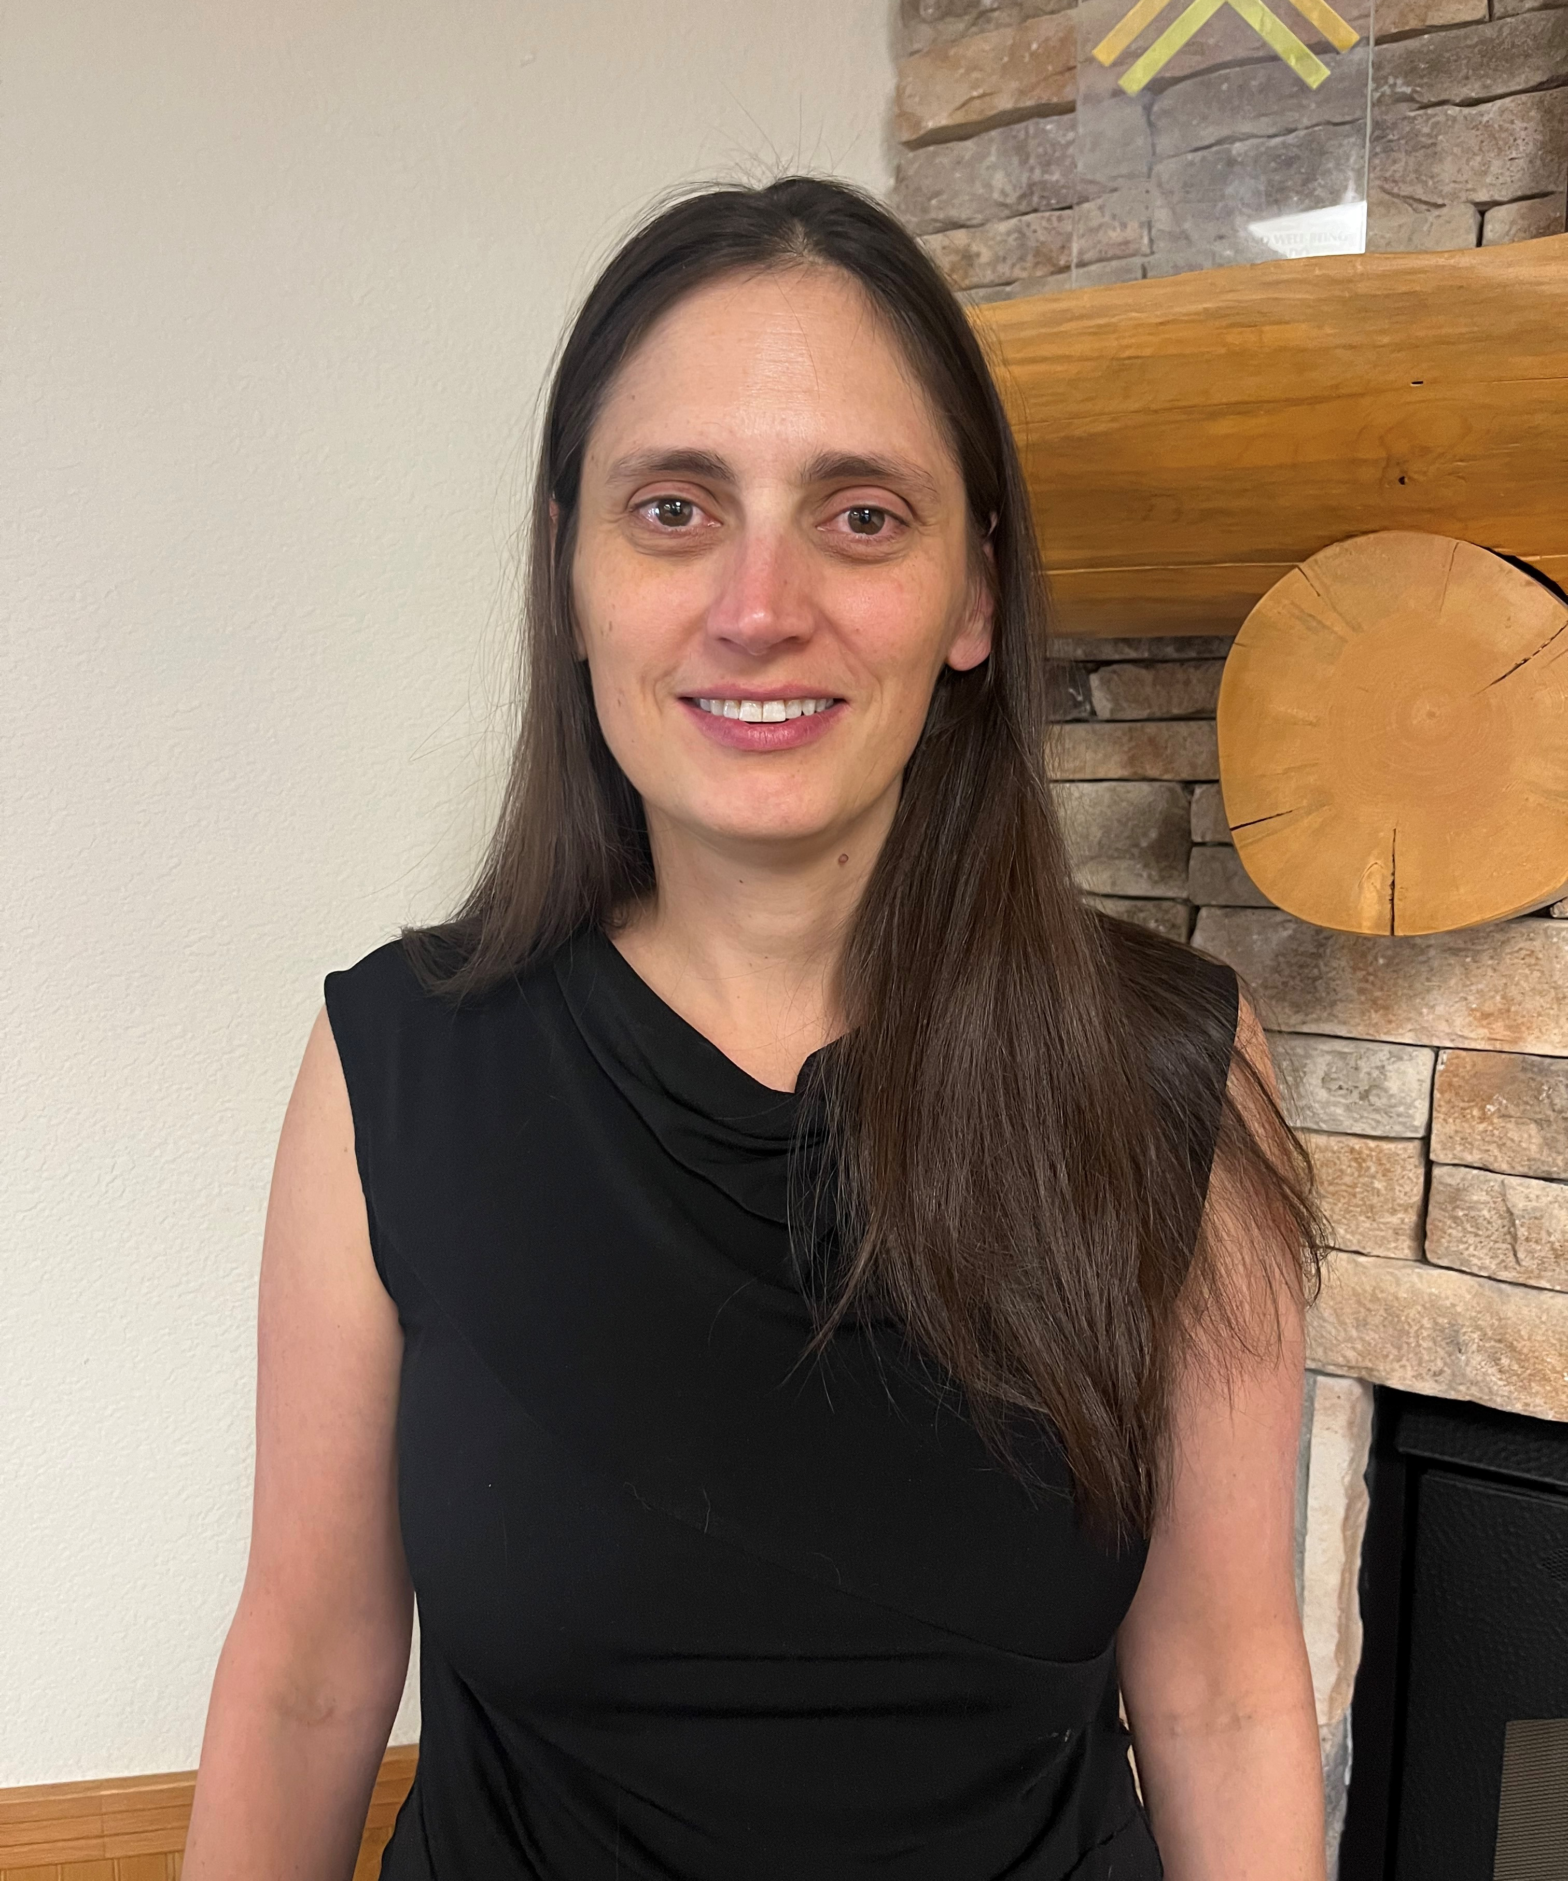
[280, 283]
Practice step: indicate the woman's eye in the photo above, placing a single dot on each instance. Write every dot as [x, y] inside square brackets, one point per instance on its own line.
[671, 512]
[865, 519]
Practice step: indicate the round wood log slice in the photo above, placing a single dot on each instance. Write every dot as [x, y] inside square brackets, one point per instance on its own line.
[1393, 738]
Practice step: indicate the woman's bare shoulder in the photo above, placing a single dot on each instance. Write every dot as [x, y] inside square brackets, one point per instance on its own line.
[317, 1232]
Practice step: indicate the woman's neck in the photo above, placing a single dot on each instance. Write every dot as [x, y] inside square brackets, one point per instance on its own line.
[746, 944]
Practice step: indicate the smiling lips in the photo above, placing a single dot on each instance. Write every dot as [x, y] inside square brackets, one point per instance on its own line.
[764, 711]
[763, 724]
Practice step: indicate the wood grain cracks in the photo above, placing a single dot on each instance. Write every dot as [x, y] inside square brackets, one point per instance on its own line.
[1435, 797]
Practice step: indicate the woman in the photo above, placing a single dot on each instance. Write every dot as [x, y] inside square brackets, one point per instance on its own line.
[815, 1310]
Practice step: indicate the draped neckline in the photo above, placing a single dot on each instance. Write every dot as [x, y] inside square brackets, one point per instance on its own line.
[712, 1117]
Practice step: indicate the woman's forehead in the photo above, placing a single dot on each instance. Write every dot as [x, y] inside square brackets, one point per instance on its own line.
[798, 361]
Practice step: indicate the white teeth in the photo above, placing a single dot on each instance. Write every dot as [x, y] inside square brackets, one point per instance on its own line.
[763, 711]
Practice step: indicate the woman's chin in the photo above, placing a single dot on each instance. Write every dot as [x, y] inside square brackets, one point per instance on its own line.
[792, 829]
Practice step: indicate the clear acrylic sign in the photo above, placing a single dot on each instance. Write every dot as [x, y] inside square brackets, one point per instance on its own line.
[1218, 132]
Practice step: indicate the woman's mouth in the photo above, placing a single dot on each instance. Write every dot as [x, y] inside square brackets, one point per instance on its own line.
[761, 724]
[764, 711]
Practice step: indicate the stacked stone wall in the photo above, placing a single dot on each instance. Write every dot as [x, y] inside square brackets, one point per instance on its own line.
[1427, 1076]
[1468, 138]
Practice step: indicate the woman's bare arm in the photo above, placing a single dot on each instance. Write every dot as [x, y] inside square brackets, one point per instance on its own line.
[310, 1675]
[1214, 1668]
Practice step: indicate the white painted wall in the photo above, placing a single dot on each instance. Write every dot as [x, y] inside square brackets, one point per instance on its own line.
[279, 283]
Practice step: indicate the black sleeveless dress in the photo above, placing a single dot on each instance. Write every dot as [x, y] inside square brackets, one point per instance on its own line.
[692, 1609]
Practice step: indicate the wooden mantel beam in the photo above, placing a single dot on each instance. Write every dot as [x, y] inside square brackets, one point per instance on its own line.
[1189, 441]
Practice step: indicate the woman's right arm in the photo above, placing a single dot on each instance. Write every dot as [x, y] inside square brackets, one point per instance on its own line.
[311, 1672]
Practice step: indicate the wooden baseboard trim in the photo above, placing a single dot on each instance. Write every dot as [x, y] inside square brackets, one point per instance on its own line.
[133, 1828]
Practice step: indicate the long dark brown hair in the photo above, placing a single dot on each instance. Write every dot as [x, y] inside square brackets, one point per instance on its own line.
[1016, 1102]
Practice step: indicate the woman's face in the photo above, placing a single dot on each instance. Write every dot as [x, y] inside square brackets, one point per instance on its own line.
[772, 563]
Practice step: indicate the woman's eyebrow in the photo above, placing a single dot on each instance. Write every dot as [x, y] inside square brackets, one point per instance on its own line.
[827, 467]
[637, 465]
[848, 467]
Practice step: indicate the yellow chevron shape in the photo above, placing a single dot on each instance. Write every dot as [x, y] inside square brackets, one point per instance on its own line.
[1275, 34]
[1269, 27]
[1126, 30]
[1340, 34]
[1169, 43]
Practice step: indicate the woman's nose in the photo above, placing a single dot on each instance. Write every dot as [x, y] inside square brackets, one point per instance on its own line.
[764, 598]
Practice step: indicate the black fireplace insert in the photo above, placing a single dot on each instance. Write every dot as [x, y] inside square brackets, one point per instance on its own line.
[1459, 1726]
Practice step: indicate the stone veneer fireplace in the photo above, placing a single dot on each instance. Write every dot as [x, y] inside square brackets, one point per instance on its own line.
[1468, 137]
[1427, 1075]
